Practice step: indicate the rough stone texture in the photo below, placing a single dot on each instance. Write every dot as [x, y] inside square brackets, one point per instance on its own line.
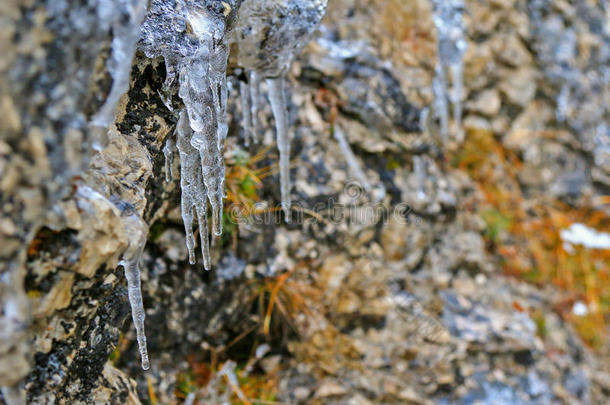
[48, 87]
[398, 311]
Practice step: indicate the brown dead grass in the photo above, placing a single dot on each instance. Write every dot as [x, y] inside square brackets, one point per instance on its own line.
[524, 233]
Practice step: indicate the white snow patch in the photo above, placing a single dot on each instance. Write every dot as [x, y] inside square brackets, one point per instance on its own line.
[580, 309]
[579, 234]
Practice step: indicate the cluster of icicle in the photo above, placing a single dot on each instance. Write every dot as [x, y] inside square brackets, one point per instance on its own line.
[194, 39]
[198, 57]
[451, 43]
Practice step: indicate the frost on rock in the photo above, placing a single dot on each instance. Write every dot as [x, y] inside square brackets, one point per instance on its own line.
[125, 23]
[137, 233]
[451, 45]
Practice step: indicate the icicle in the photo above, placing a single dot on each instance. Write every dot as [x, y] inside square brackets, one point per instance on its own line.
[351, 158]
[202, 218]
[202, 119]
[246, 120]
[451, 48]
[168, 84]
[424, 123]
[563, 101]
[419, 167]
[168, 153]
[194, 195]
[123, 48]
[218, 85]
[457, 93]
[228, 371]
[190, 398]
[280, 113]
[203, 90]
[254, 83]
[213, 170]
[441, 108]
[137, 232]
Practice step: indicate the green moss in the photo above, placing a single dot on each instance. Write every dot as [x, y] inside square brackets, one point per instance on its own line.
[541, 329]
[497, 224]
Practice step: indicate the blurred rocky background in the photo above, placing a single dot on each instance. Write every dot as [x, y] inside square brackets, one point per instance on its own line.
[441, 272]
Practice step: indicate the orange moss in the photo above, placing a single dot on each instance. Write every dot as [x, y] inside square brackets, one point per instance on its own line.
[525, 234]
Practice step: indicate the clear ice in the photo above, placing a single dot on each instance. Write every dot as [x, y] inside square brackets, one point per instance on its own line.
[451, 44]
[267, 53]
[197, 91]
[250, 96]
[125, 19]
[137, 233]
[194, 40]
[419, 168]
[278, 105]
[351, 158]
[191, 38]
[441, 107]
[168, 153]
[246, 117]
[254, 86]
[194, 194]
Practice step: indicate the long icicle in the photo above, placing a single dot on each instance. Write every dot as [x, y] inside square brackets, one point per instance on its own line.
[352, 162]
[168, 153]
[419, 168]
[212, 167]
[218, 84]
[441, 107]
[456, 96]
[137, 232]
[197, 95]
[254, 82]
[204, 233]
[246, 120]
[278, 105]
[451, 46]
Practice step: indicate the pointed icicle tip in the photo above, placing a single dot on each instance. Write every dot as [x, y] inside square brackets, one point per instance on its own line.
[279, 108]
[137, 233]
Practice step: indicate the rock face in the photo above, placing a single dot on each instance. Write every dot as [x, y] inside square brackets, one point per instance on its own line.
[385, 292]
[50, 85]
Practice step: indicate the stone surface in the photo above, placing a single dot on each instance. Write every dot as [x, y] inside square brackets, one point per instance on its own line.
[384, 296]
